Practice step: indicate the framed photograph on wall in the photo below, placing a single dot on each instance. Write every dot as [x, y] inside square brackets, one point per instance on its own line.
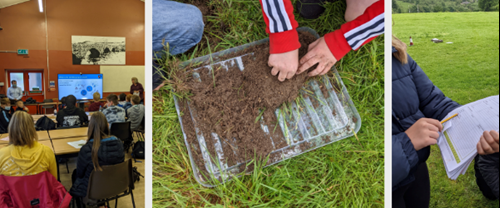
[95, 50]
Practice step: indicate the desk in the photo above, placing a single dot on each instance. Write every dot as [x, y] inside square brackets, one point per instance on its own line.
[48, 103]
[55, 134]
[63, 149]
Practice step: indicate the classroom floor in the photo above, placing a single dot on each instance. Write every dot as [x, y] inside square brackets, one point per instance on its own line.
[125, 201]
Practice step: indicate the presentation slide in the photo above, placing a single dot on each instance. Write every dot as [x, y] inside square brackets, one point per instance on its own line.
[81, 86]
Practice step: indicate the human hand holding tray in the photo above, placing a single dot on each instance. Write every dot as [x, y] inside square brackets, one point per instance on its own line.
[323, 115]
[461, 134]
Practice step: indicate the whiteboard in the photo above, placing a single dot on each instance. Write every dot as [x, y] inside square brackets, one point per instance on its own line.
[119, 78]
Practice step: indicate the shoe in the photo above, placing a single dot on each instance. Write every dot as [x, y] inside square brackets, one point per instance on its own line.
[310, 9]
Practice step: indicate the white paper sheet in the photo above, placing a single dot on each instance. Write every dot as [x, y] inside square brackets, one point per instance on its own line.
[461, 134]
[77, 144]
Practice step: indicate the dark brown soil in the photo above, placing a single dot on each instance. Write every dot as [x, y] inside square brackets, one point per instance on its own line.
[229, 103]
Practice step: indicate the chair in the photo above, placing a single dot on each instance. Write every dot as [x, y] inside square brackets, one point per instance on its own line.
[123, 132]
[113, 182]
[140, 132]
[47, 106]
[40, 190]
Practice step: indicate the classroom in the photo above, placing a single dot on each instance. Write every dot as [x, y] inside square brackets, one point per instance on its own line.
[74, 70]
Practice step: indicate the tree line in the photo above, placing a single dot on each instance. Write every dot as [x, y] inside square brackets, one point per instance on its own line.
[414, 6]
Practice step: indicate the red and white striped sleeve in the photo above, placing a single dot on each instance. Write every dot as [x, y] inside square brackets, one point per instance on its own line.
[354, 34]
[281, 25]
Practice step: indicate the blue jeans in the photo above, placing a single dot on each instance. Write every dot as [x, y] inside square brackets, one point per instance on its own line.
[180, 25]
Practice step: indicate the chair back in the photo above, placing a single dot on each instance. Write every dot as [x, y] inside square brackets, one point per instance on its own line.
[111, 181]
[40, 190]
[122, 131]
[47, 100]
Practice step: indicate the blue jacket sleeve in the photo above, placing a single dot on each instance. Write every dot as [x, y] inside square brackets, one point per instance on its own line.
[404, 157]
[433, 103]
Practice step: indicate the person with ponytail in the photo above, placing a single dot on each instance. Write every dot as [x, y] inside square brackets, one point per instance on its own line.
[418, 106]
[101, 149]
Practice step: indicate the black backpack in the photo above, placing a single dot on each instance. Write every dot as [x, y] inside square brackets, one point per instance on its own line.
[138, 150]
[45, 123]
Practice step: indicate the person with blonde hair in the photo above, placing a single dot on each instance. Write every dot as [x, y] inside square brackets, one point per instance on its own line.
[101, 149]
[417, 108]
[24, 155]
[96, 104]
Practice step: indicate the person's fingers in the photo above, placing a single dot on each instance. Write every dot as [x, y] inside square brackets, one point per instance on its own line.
[312, 45]
[486, 147]
[309, 55]
[275, 71]
[319, 69]
[431, 141]
[494, 134]
[311, 62]
[432, 127]
[479, 148]
[491, 141]
[435, 123]
[327, 68]
[282, 76]
[434, 135]
[290, 75]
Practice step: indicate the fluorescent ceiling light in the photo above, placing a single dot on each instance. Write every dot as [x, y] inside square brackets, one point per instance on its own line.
[40, 5]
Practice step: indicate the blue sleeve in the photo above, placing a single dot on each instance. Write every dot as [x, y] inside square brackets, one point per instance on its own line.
[9, 94]
[5, 116]
[433, 103]
[404, 157]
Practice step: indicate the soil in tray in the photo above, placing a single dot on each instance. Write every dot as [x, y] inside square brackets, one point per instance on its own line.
[229, 103]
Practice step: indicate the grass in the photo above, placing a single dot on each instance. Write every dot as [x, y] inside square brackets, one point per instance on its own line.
[465, 71]
[343, 174]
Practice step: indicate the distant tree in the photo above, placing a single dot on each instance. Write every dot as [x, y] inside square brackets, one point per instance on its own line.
[395, 6]
[426, 9]
[451, 9]
[487, 5]
[437, 8]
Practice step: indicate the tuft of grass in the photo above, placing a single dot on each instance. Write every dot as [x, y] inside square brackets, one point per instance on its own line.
[465, 71]
[343, 174]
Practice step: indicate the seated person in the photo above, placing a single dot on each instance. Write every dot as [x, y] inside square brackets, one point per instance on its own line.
[486, 165]
[135, 113]
[122, 100]
[101, 149]
[113, 112]
[24, 155]
[20, 106]
[97, 102]
[8, 106]
[128, 101]
[63, 103]
[71, 116]
[4, 115]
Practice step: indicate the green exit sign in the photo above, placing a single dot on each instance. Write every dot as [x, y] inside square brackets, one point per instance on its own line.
[22, 51]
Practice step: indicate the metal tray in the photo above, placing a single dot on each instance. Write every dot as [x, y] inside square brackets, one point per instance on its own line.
[334, 118]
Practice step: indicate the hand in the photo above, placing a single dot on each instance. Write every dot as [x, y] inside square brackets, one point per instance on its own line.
[424, 132]
[26, 109]
[284, 63]
[318, 52]
[488, 143]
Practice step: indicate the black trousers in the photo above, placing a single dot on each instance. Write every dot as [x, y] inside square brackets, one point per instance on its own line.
[416, 194]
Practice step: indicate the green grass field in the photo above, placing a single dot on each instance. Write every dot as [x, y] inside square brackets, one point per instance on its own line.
[346, 173]
[465, 71]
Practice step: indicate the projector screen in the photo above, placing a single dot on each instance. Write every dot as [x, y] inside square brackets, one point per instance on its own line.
[81, 86]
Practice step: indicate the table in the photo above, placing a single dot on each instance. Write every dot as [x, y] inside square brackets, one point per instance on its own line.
[55, 134]
[48, 103]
